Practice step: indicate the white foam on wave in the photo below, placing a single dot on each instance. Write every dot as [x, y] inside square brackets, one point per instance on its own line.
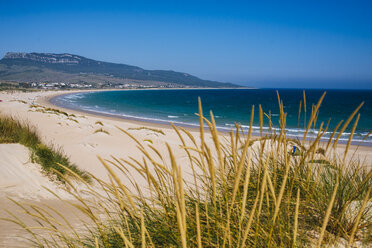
[74, 96]
[150, 119]
[291, 132]
[299, 132]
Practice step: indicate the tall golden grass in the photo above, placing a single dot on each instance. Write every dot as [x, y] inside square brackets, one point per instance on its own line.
[244, 191]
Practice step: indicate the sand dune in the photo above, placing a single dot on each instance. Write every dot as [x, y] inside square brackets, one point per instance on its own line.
[22, 179]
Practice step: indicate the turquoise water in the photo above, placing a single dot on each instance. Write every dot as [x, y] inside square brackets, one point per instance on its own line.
[228, 106]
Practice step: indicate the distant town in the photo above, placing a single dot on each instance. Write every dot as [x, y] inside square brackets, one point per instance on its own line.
[85, 85]
[96, 86]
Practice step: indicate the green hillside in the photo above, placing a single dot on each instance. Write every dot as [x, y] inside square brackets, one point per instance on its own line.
[67, 68]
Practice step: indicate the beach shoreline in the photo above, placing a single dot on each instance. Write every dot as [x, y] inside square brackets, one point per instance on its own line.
[363, 149]
[158, 123]
[47, 101]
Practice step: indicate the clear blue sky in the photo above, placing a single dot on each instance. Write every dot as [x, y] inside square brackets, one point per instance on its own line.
[312, 44]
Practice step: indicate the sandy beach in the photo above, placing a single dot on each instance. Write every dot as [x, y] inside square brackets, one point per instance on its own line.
[78, 138]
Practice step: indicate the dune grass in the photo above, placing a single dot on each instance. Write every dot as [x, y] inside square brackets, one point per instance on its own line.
[42, 109]
[101, 130]
[99, 123]
[242, 192]
[21, 101]
[156, 131]
[13, 131]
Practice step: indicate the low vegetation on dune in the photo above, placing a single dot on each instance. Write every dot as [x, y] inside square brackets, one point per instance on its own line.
[101, 130]
[11, 86]
[242, 192]
[50, 158]
[154, 130]
[99, 123]
[42, 109]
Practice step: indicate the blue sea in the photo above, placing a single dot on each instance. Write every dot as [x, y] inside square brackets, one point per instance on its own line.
[229, 106]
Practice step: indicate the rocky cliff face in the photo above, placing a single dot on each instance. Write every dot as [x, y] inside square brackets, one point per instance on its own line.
[64, 58]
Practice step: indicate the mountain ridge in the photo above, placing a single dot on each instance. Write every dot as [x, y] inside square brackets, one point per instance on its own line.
[42, 66]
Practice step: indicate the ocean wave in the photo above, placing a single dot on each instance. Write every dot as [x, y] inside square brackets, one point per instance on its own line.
[299, 132]
[74, 96]
[150, 119]
[71, 101]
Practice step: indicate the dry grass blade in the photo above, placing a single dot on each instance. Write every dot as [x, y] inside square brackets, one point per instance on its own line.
[125, 239]
[250, 220]
[326, 217]
[130, 135]
[217, 144]
[118, 181]
[143, 231]
[201, 123]
[198, 231]
[332, 135]
[313, 116]
[346, 124]
[351, 136]
[261, 118]
[245, 188]
[355, 227]
[295, 228]
[281, 192]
